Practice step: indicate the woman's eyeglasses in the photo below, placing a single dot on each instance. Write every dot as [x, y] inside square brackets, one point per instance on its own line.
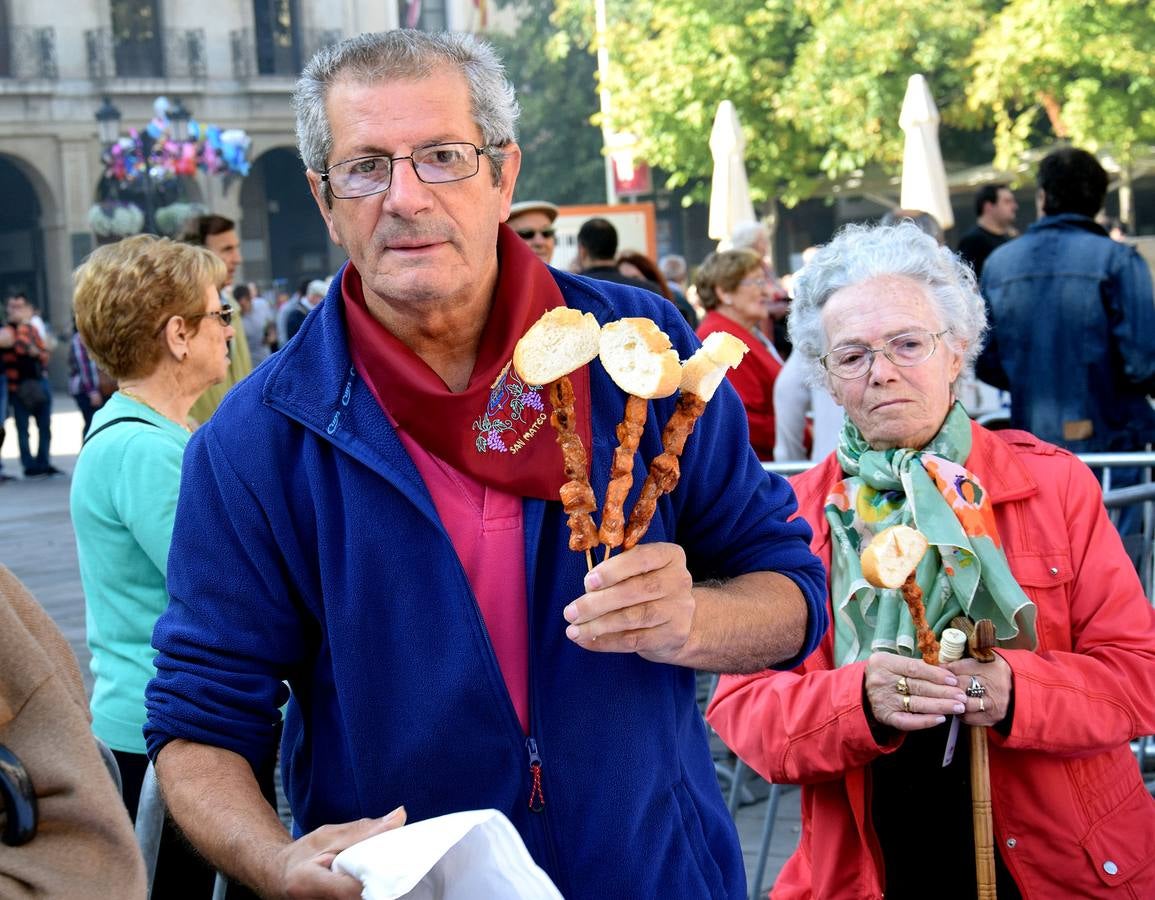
[527, 234]
[854, 360]
[224, 315]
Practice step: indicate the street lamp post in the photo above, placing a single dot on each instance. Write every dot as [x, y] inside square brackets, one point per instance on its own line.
[108, 122]
[180, 119]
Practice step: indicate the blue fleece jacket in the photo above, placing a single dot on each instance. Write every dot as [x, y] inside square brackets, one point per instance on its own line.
[308, 550]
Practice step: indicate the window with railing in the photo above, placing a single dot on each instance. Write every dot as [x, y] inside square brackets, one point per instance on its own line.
[426, 15]
[27, 53]
[278, 34]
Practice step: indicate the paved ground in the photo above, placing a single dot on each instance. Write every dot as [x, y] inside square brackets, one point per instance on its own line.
[36, 543]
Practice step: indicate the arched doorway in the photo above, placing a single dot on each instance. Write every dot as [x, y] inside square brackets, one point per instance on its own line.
[22, 265]
[285, 240]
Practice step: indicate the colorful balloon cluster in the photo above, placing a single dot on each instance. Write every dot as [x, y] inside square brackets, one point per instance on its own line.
[211, 149]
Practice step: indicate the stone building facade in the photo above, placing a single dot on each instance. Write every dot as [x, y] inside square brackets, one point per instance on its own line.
[231, 63]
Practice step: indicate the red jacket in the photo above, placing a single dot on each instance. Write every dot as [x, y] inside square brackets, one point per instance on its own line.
[1071, 815]
[753, 380]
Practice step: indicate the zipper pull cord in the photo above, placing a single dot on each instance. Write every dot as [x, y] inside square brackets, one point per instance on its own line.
[536, 798]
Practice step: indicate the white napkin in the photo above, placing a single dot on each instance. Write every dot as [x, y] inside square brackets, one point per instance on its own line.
[474, 855]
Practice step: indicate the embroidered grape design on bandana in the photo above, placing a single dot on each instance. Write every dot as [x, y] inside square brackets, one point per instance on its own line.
[509, 398]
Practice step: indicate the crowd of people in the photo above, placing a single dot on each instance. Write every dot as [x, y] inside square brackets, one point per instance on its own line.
[267, 322]
[295, 548]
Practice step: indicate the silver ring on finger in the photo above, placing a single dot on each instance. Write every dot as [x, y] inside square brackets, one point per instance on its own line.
[901, 686]
[976, 688]
[906, 703]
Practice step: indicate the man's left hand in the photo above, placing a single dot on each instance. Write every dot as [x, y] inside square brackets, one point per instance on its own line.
[640, 601]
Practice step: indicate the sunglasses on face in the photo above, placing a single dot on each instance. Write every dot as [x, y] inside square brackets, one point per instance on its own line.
[224, 315]
[527, 234]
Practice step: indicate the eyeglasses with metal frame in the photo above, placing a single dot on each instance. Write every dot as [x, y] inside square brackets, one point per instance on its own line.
[436, 164]
[911, 348]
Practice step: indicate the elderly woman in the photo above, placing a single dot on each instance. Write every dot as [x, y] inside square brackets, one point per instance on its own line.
[737, 295]
[149, 312]
[1018, 534]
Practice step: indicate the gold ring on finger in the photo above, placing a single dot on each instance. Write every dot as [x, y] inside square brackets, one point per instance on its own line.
[982, 705]
[901, 686]
[906, 703]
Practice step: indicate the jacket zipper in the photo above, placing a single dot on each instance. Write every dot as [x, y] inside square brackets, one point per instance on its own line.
[534, 514]
[536, 797]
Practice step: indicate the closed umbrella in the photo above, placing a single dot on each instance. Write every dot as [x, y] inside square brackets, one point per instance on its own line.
[729, 190]
[923, 173]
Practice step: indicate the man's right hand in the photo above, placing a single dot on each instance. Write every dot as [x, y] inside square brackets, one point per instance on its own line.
[305, 863]
[213, 796]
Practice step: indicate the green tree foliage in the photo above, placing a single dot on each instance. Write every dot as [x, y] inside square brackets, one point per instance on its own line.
[561, 148]
[1081, 70]
[818, 84]
[851, 72]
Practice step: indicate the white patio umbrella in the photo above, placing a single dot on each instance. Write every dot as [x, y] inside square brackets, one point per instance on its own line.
[729, 190]
[923, 173]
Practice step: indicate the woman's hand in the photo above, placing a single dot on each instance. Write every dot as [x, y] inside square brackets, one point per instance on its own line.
[998, 686]
[909, 695]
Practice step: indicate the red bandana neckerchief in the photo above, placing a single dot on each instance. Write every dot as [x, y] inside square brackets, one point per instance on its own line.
[497, 430]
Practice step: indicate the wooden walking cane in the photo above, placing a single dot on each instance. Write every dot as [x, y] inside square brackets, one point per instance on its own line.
[982, 645]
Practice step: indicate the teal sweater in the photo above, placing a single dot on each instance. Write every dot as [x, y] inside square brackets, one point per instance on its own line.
[123, 503]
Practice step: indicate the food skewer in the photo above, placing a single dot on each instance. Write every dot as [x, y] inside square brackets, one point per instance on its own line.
[640, 360]
[890, 561]
[629, 433]
[700, 378]
[665, 470]
[560, 342]
[577, 496]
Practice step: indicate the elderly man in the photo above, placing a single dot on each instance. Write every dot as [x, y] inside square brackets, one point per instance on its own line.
[444, 649]
[533, 220]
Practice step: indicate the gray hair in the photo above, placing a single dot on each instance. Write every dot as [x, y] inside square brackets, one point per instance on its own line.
[673, 266]
[746, 234]
[924, 220]
[401, 55]
[861, 252]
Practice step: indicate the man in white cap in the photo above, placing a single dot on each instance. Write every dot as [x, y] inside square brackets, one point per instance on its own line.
[533, 221]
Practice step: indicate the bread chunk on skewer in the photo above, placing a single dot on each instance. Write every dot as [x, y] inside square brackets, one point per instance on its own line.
[701, 376]
[889, 561]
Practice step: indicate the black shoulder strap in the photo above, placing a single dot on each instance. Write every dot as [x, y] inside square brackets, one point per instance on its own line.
[116, 421]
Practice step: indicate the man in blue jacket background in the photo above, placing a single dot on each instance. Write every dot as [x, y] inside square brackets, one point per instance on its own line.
[1072, 324]
[373, 519]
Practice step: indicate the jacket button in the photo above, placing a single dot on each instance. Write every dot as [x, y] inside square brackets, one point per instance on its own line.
[1054, 570]
[1110, 868]
[1011, 842]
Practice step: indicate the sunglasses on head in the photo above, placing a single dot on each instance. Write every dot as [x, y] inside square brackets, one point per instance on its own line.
[526, 234]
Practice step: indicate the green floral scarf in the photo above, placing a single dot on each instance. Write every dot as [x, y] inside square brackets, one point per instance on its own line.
[965, 569]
